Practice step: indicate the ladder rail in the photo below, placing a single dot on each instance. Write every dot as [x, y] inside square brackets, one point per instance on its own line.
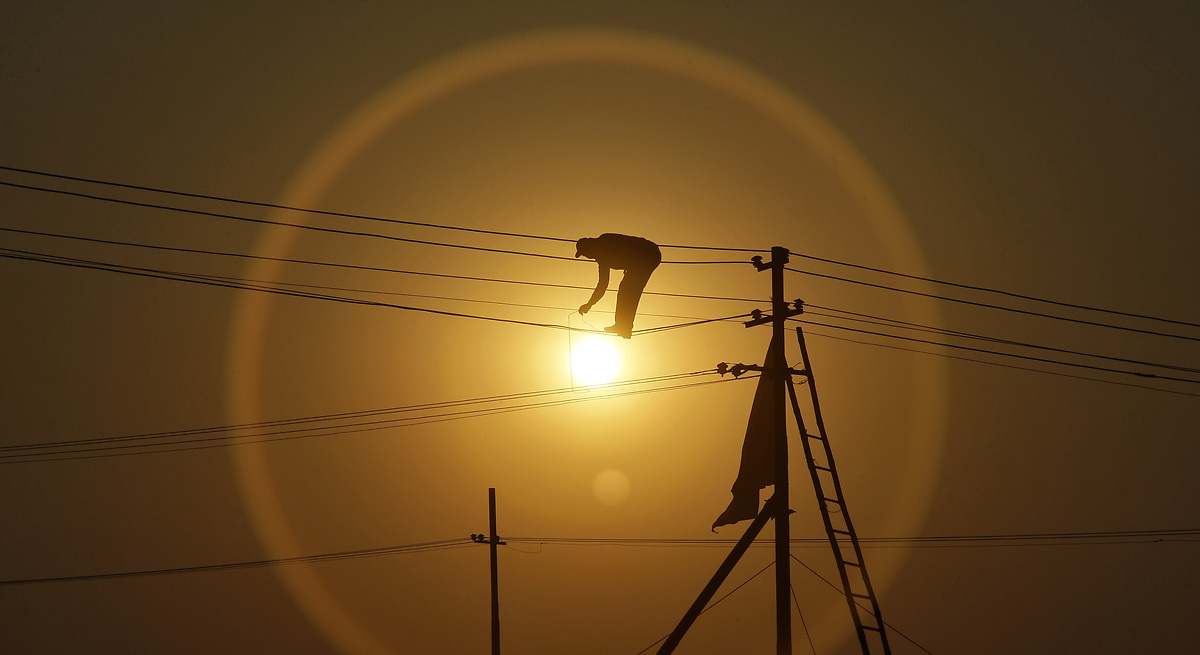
[837, 488]
[833, 541]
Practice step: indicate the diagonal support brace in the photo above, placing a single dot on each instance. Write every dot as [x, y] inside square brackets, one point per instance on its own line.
[767, 513]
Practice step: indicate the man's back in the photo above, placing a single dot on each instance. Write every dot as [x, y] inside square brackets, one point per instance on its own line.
[623, 252]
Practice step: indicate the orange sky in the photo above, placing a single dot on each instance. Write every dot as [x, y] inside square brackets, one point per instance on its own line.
[1045, 153]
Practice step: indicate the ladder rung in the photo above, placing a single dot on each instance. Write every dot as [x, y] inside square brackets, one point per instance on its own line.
[871, 627]
[823, 468]
[831, 500]
[863, 596]
[813, 436]
[849, 563]
[841, 532]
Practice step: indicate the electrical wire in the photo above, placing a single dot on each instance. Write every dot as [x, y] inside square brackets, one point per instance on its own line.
[991, 306]
[431, 296]
[232, 200]
[883, 321]
[906, 325]
[445, 544]
[313, 228]
[324, 212]
[1055, 538]
[379, 269]
[651, 330]
[730, 318]
[841, 591]
[1004, 354]
[206, 443]
[353, 414]
[712, 604]
[807, 634]
[808, 333]
[1002, 292]
[918, 326]
[25, 255]
[698, 321]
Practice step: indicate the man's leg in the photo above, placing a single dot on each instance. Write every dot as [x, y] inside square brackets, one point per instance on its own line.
[628, 296]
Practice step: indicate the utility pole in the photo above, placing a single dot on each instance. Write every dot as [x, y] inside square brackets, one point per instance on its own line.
[780, 378]
[777, 381]
[492, 540]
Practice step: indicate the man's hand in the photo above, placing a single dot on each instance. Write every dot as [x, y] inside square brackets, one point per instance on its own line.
[583, 309]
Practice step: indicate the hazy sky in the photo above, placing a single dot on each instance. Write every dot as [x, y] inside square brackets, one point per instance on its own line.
[1049, 151]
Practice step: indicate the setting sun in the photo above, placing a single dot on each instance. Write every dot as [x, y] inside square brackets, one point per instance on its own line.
[594, 360]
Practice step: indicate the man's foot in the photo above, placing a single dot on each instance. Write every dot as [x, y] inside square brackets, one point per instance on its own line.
[620, 331]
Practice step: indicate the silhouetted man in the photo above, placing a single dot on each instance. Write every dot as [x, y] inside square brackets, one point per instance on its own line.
[634, 255]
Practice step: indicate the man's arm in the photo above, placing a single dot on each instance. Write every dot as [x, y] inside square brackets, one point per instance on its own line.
[598, 293]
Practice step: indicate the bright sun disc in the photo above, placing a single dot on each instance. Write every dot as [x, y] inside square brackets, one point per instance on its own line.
[594, 360]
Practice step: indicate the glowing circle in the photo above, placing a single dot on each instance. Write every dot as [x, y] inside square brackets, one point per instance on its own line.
[594, 360]
[611, 487]
[455, 71]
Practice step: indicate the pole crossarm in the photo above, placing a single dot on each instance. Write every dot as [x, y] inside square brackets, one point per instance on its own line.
[757, 317]
[737, 370]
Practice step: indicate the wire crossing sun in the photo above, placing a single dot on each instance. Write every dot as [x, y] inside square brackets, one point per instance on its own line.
[594, 360]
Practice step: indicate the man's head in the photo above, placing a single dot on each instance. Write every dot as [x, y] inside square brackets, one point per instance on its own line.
[585, 247]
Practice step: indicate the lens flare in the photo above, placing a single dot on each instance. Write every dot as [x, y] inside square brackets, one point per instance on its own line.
[594, 360]
[611, 487]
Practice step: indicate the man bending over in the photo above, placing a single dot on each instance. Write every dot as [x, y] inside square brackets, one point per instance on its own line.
[636, 256]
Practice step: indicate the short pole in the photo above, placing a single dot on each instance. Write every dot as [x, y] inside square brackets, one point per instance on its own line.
[493, 540]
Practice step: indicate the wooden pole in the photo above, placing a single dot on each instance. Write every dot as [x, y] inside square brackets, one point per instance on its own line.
[493, 541]
[779, 373]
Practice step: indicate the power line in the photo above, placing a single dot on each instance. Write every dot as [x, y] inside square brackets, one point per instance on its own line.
[700, 321]
[883, 321]
[807, 633]
[368, 217]
[264, 221]
[933, 329]
[376, 218]
[919, 327]
[324, 418]
[25, 255]
[445, 544]
[1001, 365]
[206, 443]
[1010, 294]
[160, 273]
[313, 228]
[991, 306]
[1157, 535]
[355, 414]
[379, 269]
[732, 318]
[439, 297]
[340, 214]
[1004, 354]
[840, 591]
[713, 604]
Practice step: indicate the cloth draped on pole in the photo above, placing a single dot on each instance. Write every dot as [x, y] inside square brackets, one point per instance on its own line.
[758, 451]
